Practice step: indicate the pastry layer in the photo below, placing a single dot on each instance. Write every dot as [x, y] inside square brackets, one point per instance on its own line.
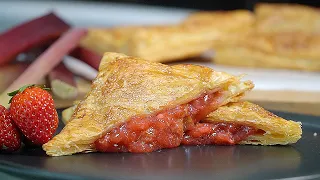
[277, 130]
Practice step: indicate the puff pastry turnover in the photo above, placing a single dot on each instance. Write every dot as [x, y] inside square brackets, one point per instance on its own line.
[275, 18]
[131, 92]
[171, 42]
[289, 50]
[154, 43]
[226, 21]
[142, 106]
[282, 36]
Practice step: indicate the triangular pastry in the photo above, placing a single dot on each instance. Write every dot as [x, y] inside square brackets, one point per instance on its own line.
[142, 106]
[190, 38]
[226, 21]
[290, 50]
[129, 88]
[283, 18]
[282, 36]
[149, 42]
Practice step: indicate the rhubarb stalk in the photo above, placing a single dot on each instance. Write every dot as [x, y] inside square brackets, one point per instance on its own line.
[30, 34]
[46, 61]
[87, 56]
[10, 72]
[62, 82]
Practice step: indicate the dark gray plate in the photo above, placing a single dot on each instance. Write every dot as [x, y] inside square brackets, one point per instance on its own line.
[197, 162]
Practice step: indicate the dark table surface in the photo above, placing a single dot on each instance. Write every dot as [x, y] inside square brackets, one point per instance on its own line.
[186, 162]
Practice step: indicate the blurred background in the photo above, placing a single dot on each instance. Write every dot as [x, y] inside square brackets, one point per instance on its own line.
[286, 89]
[121, 12]
[212, 5]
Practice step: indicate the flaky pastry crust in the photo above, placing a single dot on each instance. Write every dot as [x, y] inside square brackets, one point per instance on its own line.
[126, 86]
[277, 130]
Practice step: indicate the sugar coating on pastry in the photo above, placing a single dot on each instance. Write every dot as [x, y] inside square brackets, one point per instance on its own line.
[126, 86]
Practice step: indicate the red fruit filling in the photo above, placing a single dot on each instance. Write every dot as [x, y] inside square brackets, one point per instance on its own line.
[172, 127]
[218, 133]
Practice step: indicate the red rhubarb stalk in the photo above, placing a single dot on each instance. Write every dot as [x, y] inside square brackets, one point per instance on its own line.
[63, 83]
[87, 56]
[9, 73]
[47, 60]
[30, 34]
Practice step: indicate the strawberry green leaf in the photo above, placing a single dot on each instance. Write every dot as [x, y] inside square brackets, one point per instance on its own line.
[13, 93]
[44, 87]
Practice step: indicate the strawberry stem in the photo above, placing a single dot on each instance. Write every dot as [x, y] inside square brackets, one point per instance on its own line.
[13, 93]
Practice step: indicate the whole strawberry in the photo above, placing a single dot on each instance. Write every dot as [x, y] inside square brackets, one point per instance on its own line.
[9, 134]
[32, 109]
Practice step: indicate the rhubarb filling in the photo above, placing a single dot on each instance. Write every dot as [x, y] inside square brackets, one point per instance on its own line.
[172, 127]
[218, 133]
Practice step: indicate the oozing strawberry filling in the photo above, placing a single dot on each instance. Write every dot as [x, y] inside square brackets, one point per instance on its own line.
[172, 127]
[218, 133]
